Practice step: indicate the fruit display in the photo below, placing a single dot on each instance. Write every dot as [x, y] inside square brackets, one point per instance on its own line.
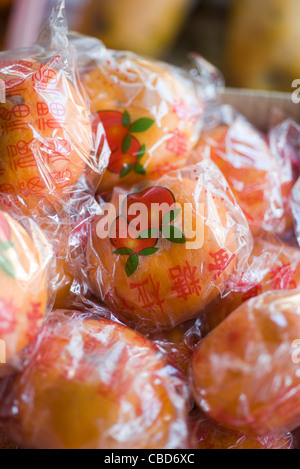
[5, 442]
[149, 257]
[259, 180]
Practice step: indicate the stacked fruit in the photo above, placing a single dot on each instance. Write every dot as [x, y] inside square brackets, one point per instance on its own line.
[168, 315]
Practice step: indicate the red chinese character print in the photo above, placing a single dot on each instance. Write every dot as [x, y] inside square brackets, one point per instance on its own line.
[57, 109]
[5, 114]
[185, 280]
[221, 262]
[148, 294]
[42, 108]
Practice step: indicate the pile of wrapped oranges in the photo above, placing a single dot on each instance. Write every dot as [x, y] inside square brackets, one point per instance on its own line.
[149, 257]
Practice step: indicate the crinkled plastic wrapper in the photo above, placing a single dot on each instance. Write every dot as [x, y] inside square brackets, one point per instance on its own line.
[6, 443]
[152, 112]
[206, 434]
[89, 382]
[25, 269]
[245, 373]
[296, 208]
[164, 250]
[260, 178]
[48, 149]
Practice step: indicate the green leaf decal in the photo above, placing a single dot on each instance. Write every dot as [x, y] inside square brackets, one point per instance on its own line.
[148, 251]
[6, 245]
[123, 251]
[126, 144]
[141, 152]
[141, 125]
[126, 118]
[150, 233]
[139, 169]
[169, 217]
[173, 234]
[6, 266]
[132, 264]
[126, 170]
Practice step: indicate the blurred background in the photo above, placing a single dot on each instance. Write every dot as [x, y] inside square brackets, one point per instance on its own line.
[255, 43]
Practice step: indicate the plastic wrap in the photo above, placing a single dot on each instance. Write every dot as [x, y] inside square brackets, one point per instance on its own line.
[245, 373]
[24, 259]
[178, 344]
[48, 149]
[6, 443]
[260, 179]
[92, 383]
[296, 208]
[209, 435]
[65, 234]
[284, 142]
[161, 268]
[182, 184]
[152, 112]
[272, 265]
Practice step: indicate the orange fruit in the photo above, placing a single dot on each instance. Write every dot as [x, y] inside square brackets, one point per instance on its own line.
[258, 180]
[62, 283]
[23, 287]
[151, 114]
[209, 435]
[168, 278]
[177, 344]
[272, 266]
[94, 384]
[46, 135]
[245, 373]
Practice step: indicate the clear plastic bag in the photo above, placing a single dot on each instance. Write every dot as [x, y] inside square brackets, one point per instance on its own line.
[160, 266]
[25, 258]
[209, 435]
[245, 373]
[48, 150]
[88, 382]
[152, 112]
